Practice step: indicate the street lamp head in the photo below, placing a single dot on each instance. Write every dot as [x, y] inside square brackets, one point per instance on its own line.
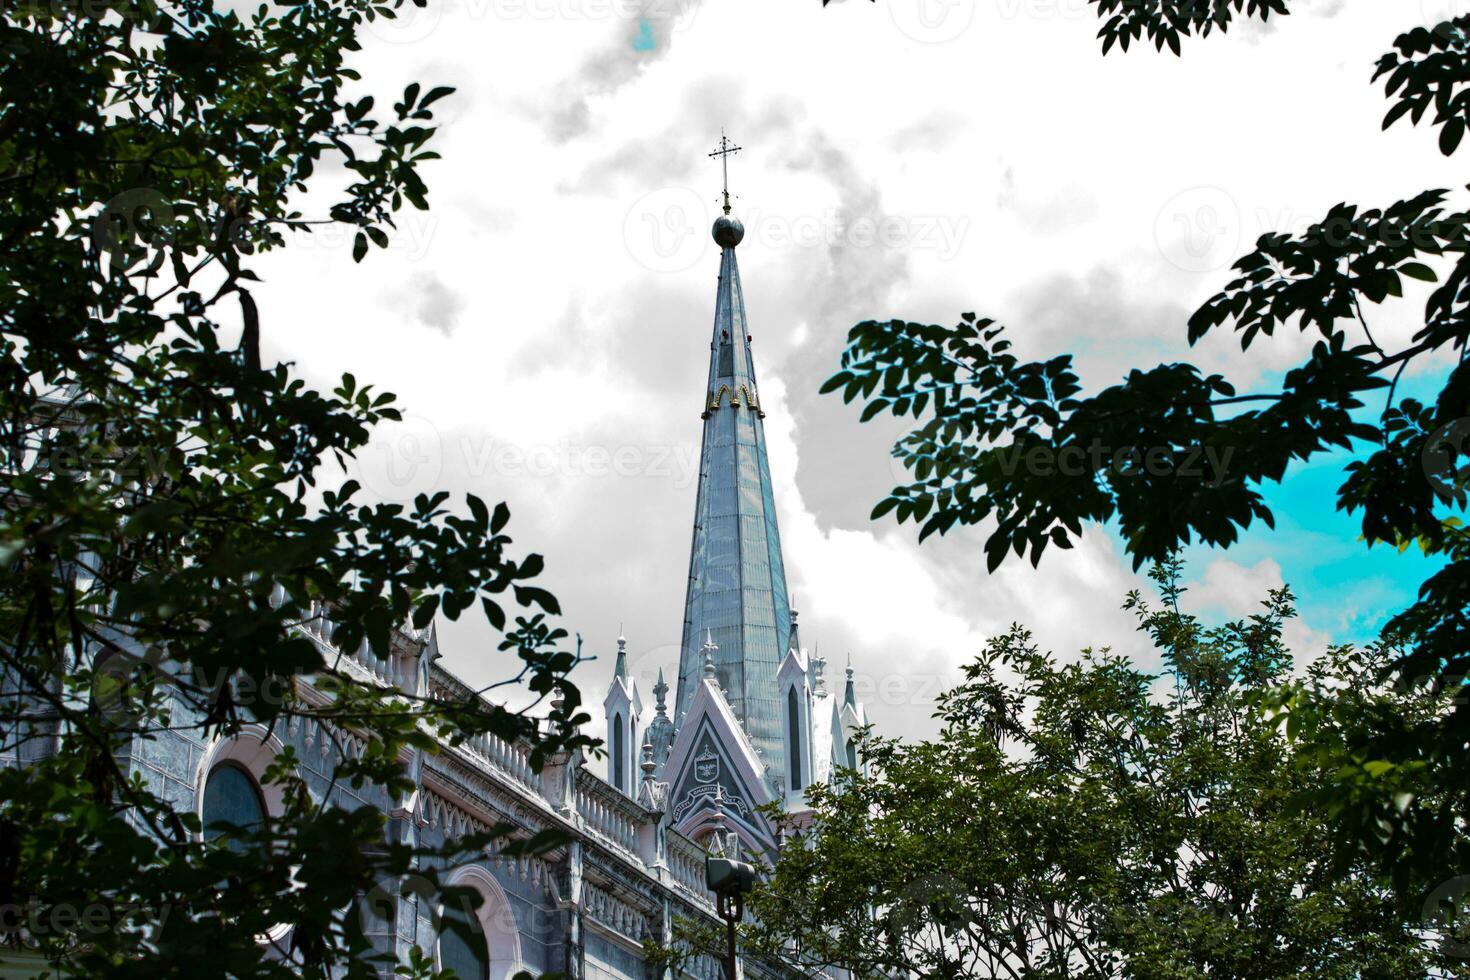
[724, 876]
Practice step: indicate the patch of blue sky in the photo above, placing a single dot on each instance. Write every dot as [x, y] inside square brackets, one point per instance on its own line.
[644, 39]
[1342, 586]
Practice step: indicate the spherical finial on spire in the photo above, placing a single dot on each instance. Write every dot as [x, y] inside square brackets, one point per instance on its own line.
[727, 231]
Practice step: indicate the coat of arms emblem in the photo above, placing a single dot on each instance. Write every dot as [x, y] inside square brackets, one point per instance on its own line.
[707, 766]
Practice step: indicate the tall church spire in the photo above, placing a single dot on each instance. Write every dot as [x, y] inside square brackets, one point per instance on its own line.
[737, 577]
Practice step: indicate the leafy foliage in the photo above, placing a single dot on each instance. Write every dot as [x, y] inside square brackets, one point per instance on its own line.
[166, 534]
[1165, 22]
[1173, 455]
[1086, 819]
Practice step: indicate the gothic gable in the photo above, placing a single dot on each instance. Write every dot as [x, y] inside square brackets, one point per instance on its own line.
[712, 753]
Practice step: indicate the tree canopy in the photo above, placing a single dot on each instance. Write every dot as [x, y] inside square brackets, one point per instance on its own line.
[1173, 454]
[1090, 819]
[165, 529]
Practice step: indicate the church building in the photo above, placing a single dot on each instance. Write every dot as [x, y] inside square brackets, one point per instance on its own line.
[753, 722]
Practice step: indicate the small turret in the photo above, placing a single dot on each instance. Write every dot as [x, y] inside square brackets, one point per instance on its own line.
[661, 732]
[622, 708]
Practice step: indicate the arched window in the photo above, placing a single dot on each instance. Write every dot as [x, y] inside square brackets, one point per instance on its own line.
[852, 755]
[793, 728]
[620, 752]
[233, 804]
[462, 945]
[479, 943]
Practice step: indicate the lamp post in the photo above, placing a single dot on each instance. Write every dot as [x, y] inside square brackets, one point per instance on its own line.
[729, 880]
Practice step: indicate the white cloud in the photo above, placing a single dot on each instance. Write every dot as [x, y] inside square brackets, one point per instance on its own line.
[1030, 178]
[1228, 590]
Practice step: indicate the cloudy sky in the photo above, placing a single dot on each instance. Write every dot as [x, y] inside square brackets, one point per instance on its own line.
[547, 323]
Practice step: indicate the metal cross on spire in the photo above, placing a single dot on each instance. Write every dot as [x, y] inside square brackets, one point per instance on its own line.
[726, 149]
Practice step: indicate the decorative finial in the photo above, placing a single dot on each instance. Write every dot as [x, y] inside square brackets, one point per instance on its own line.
[659, 691]
[819, 673]
[717, 821]
[726, 150]
[849, 694]
[709, 650]
[647, 765]
[620, 668]
[727, 231]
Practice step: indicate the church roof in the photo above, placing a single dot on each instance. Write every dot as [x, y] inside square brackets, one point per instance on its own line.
[737, 577]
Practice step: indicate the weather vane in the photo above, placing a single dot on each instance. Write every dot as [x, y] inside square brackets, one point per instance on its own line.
[726, 148]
